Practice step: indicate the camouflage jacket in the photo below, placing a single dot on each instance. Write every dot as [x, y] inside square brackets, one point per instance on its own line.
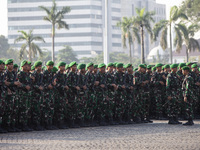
[156, 78]
[38, 81]
[2, 79]
[72, 81]
[61, 81]
[25, 80]
[11, 77]
[180, 78]
[102, 78]
[128, 81]
[120, 79]
[90, 80]
[110, 80]
[47, 79]
[82, 80]
[172, 84]
[188, 86]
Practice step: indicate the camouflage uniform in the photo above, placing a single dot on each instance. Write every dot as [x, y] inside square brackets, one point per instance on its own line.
[2, 100]
[102, 100]
[120, 96]
[48, 103]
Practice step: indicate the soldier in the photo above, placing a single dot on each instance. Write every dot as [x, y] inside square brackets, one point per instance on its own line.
[95, 71]
[102, 100]
[91, 82]
[188, 94]
[140, 82]
[84, 112]
[67, 69]
[130, 93]
[24, 95]
[172, 95]
[2, 95]
[11, 113]
[60, 96]
[72, 83]
[111, 88]
[158, 83]
[15, 68]
[37, 97]
[48, 103]
[120, 96]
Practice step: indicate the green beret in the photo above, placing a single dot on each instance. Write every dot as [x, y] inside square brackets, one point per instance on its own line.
[32, 68]
[119, 65]
[186, 68]
[188, 63]
[44, 67]
[37, 63]
[72, 64]
[181, 65]
[135, 69]
[81, 66]
[15, 66]
[194, 66]
[145, 65]
[66, 66]
[153, 68]
[24, 62]
[61, 64]
[29, 63]
[173, 66]
[101, 65]
[127, 65]
[166, 66]
[1, 62]
[49, 63]
[115, 64]
[89, 64]
[110, 64]
[9, 61]
[95, 66]
[158, 65]
[148, 66]
[142, 66]
[54, 70]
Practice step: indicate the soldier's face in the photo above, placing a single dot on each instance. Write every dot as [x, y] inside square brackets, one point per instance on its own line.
[148, 70]
[82, 71]
[102, 70]
[2, 67]
[15, 69]
[129, 69]
[49, 68]
[91, 68]
[95, 70]
[120, 69]
[25, 67]
[62, 68]
[74, 68]
[10, 66]
[39, 68]
[167, 69]
[159, 68]
[29, 67]
[174, 70]
[185, 72]
[110, 68]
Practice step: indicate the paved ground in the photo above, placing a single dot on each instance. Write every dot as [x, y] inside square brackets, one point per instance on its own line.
[158, 135]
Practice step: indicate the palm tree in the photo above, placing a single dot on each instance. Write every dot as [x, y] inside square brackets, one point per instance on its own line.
[185, 35]
[163, 25]
[128, 33]
[29, 38]
[143, 21]
[55, 17]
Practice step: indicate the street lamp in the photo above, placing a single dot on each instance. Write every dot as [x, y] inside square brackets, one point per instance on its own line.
[106, 48]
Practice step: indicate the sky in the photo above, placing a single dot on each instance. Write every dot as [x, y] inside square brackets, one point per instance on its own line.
[4, 22]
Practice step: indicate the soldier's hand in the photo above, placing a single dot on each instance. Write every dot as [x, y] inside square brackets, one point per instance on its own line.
[66, 87]
[33, 78]
[28, 87]
[17, 83]
[9, 92]
[84, 87]
[41, 88]
[131, 88]
[7, 83]
[116, 87]
[54, 82]
[162, 83]
[169, 97]
[96, 83]
[185, 99]
[50, 86]
[123, 87]
[78, 88]
[102, 86]
[197, 83]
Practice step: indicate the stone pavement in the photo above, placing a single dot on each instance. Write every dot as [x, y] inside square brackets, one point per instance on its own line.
[156, 136]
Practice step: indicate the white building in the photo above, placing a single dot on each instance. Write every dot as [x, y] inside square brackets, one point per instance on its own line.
[86, 23]
[128, 10]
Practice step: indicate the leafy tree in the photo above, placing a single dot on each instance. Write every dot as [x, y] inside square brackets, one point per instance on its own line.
[143, 21]
[29, 38]
[164, 25]
[4, 46]
[66, 54]
[55, 17]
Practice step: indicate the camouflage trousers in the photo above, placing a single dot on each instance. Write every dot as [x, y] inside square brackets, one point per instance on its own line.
[82, 107]
[73, 103]
[128, 107]
[136, 106]
[173, 108]
[146, 103]
[120, 103]
[2, 106]
[24, 107]
[102, 105]
[48, 110]
[158, 101]
[91, 104]
[9, 106]
[36, 102]
[111, 103]
[189, 108]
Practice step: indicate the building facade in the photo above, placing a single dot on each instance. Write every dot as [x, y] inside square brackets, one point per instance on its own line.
[86, 24]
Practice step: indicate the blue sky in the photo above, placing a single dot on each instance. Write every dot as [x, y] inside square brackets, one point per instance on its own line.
[3, 12]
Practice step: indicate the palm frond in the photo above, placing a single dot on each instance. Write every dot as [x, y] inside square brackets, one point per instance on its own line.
[163, 40]
[158, 27]
[62, 24]
[194, 44]
[38, 38]
[178, 39]
[22, 51]
[19, 39]
[45, 9]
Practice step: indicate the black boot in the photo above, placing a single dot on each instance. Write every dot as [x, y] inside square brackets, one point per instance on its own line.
[160, 117]
[102, 122]
[111, 122]
[120, 121]
[38, 127]
[143, 120]
[176, 120]
[148, 120]
[93, 123]
[9, 128]
[2, 130]
[82, 123]
[171, 121]
[61, 125]
[73, 125]
[137, 120]
[15, 128]
[189, 123]
[26, 128]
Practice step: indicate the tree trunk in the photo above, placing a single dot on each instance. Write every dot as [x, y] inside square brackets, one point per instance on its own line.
[187, 55]
[130, 56]
[29, 53]
[53, 44]
[142, 45]
[170, 36]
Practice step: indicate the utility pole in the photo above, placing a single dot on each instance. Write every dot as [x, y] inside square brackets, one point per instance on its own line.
[106, 48]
